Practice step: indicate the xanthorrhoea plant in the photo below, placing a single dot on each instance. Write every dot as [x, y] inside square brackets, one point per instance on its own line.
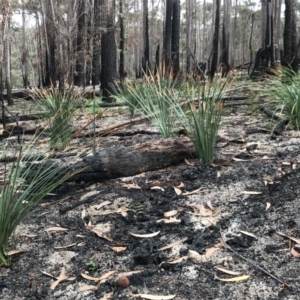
[26, 182]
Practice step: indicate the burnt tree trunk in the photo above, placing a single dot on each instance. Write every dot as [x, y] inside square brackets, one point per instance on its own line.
[290, 59]
[215, 51]
[175, 37]
[79, 78]
[167, 59]
[122, 42]
[108, 49]
[146, 50]
[96, 45]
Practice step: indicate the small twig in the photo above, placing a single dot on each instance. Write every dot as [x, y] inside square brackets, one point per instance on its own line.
[249, 261]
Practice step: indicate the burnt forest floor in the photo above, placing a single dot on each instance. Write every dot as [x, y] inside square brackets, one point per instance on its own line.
[257, 192]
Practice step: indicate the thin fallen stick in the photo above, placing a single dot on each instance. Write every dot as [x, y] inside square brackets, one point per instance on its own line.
[248, 260]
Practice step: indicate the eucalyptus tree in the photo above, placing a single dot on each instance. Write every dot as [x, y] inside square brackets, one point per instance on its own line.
[290, 56]
[175, 37]
[215, 45]
[108, 48]
[146, 47]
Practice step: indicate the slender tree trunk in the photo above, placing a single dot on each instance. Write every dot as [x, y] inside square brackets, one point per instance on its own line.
[122, 41]
[24, 58]
[108, 49]
[188, 36]
[175, 37]
[157, 55]
[146, 48]
[215, 52]
[10, 100]
[96, 45]
[79, 78]
[50, 61]
[289, 37]
[167, 37]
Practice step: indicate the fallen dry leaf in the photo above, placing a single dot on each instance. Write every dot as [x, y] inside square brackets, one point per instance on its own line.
[171, 213]
[297, 241]
[64, 247]
[205, 212]
[197, 191]
[195, 256]
[132, 186]
[295, 253]
[210, 252]
[228, 271]
[173, 244]
[99, 206]
[268, 205]
[56, 229]
[118, 249]
[62, 277]
[233, 279]
[153, 297]
[251, 193]
[97, 279]
[87, 288]
[239, 159]
[209, 204]
[177, 191]
[29, 235]
[188, 163]
[248, 233]
[102, 235]
[169, 221]
[13, 252]
[157, 188]
[145, 235]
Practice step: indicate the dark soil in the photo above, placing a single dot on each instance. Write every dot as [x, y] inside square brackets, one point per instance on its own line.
[263, 163]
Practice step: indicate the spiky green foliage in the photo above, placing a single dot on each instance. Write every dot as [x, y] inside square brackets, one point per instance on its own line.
[284, 91]
[154, 98]
[59, 110]
[201, 117]
[25, 184]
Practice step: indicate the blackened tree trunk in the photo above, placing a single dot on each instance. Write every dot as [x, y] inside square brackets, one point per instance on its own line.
[157, 65]
[224, 64]
[79, 78]
[122, 41]
[146, 50]
[50, 64]
[24, 58]
[175, 37]
[167, 57]
[215, 51]
[108, 49]
[8, 87]
[188, 35]
[96, 45]
[290, 59]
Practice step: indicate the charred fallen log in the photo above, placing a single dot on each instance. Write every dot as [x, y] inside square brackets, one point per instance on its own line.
[125, 161]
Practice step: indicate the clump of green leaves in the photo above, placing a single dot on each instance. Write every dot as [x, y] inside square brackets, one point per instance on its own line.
[153, 97]
[284, 90]
[59, 110]
[136, 208]
[91, 266]
[25, 184]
